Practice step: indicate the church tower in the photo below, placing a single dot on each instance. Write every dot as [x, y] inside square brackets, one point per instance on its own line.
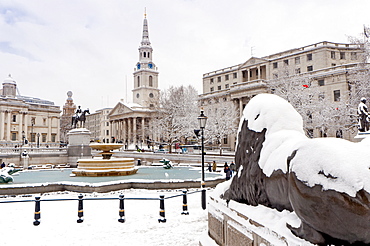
[146, 92]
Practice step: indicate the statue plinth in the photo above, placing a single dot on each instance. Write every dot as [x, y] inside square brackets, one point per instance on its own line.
[78, 145]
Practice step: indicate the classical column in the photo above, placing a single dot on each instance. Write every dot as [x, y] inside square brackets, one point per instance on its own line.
[248, 74]
[25, 122]
[9, 113]
[58, 130]
[143, 129]
[241, 107]
[50, 121]
[259, 72]
[134, 130]
[124, 129]
[2, 124]
[20, 126]
[129, 130]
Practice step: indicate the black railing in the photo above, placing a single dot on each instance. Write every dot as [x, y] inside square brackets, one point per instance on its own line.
[121, 198]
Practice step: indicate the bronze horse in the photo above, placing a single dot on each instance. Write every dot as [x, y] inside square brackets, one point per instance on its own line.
[81, 119]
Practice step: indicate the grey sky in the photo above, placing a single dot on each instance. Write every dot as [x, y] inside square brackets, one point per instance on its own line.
[91, 47]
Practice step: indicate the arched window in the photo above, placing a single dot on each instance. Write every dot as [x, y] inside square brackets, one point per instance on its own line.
[148, 54]
[138, 81]
[137, 95]
[144, 54]
[150, 81]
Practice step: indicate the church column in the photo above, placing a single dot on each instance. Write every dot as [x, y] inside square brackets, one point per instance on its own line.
[129, 130]
[124, 130]
[248, 74]
[143, 129]
[259, 72]
[2, 124]
[9, 113]
[134, 130]
[20, 126]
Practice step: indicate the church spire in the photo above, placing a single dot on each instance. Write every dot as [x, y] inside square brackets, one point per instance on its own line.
[145, 41]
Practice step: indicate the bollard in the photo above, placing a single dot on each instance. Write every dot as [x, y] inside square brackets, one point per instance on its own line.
[37, 211]
[204, 198]
[161, 210]
[80, 209]
[184, 205]
[121, 209]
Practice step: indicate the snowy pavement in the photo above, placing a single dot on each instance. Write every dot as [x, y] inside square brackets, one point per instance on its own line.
[101, 227]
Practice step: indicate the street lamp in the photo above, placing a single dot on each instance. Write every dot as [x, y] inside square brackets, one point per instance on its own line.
[202, 124]
[38, 140]
[23, 137]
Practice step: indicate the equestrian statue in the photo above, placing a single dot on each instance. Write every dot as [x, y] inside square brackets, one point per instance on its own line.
[80, 116]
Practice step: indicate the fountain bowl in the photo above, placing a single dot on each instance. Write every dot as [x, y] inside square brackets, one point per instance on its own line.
[106, 147]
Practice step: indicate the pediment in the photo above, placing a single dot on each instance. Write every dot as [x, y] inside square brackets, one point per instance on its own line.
[252, 61]
[120, 109]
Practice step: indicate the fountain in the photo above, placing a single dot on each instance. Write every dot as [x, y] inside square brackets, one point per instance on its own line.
[105, 165]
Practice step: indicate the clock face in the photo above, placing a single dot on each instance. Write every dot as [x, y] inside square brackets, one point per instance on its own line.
[138, 66]
[150, 65]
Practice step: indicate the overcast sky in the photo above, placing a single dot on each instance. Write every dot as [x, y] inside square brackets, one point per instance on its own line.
[90, 47]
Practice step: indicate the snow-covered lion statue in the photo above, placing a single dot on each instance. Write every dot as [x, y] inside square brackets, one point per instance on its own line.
[325, 181]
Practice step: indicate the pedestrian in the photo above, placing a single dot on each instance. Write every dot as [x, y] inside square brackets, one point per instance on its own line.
[214, 166]
[2, 165]
[226, 164]
[227, 170]
[209, 167]
[232, 166]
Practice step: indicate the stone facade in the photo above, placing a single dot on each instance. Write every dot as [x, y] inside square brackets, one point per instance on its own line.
[99, 125]
[27, 119]
[326, 62]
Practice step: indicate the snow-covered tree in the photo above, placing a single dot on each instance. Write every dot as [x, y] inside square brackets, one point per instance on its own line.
[222, 121]
[176, 118]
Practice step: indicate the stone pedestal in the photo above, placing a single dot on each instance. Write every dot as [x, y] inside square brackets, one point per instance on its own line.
[78, 145]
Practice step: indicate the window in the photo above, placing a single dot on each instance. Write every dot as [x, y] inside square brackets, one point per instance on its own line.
[148, 54]
[332, 55]
[211, 81]
[150, 81]
[43, 138]
[336, 95]
[151, 95]
[212, 89]
[286, 62]
[298, 70]
[309, 68]
[14, 118]
[53, 137]
[297, 60]
[275, 65]
[14, 136]
[342, 55]
[219, 87]
[321, 82]
[219, 79]
[151, 105]
[107, 132]
[235, 75]
[107, 124]
[339, 134]
[309, 57]
[137, 95]
[144, 54]
[353, 56]
[33, 121]
[33, 137]
[226, 86]
[226, 77]
[138, 81]
[225, 140]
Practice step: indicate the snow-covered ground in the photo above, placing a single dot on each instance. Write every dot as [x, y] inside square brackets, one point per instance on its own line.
[101, 227]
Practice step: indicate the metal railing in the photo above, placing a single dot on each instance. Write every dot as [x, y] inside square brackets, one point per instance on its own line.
[121, 199]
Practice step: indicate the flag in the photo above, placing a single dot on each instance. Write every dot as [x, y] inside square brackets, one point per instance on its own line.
[305, 86]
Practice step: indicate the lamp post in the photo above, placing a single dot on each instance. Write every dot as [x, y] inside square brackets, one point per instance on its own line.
[23, 137]
[202, 124]
[38, 140]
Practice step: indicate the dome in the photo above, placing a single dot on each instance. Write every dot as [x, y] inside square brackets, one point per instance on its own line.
[9, 80]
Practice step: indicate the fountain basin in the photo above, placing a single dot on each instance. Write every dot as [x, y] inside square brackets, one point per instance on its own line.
[103, 167]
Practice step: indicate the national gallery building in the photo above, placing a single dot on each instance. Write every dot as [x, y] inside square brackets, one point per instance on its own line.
[27, 119]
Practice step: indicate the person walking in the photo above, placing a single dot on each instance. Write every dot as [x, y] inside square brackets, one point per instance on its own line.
[214, 166]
